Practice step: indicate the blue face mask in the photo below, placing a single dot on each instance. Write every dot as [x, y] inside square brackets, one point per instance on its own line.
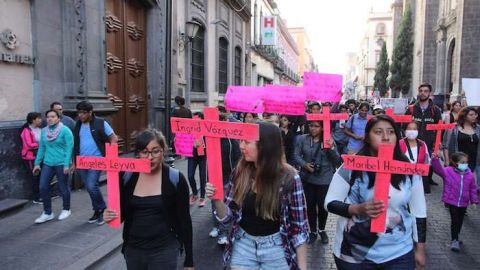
[462, 167]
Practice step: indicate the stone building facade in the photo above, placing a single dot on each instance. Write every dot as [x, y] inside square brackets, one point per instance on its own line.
[217, 56]
[306, 61]
[379, 31]
[447, 47]
[110, 52]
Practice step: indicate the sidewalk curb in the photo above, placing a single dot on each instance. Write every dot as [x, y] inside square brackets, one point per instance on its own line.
[97, 254]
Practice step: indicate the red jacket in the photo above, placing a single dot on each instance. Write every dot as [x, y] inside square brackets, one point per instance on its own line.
[29, 144]
[422, 153]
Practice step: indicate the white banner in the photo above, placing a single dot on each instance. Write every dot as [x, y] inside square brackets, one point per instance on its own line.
[471, 87]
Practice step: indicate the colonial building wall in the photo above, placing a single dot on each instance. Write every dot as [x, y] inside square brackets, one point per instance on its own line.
[430, 44]
[16, 93]
[470, 57]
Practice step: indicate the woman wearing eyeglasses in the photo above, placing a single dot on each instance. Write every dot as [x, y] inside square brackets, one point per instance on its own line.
[155, 210]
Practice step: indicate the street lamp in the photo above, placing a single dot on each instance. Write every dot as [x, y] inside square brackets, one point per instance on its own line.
[191, 29]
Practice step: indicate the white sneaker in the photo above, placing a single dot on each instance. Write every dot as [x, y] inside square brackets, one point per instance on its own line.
[64, 214]
[214, 232]
[44, 218]
[222, 240]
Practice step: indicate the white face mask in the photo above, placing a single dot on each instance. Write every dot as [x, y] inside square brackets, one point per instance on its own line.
[411, 134]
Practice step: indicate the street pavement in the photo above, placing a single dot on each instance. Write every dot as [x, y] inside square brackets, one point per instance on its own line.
[75, 244]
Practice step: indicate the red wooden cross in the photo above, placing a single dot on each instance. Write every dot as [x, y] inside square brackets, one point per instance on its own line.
[396, 117]
[113, 165]
[439, 127]
[326, 117]
[384, 165]
[213, 129]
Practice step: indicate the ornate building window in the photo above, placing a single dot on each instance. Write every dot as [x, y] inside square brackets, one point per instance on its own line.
[380, 29]
[198, 61]
[238, 66]
[222, 65]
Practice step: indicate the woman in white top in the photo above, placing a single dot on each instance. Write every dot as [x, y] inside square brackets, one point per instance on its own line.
[350, 196]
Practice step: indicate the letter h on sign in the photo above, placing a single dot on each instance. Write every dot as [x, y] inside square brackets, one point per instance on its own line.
[386, 167]
[213, 130]
[113, 166]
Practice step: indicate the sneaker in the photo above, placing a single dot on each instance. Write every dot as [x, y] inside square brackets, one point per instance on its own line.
[222, 240]
[94, 218]
[100, 220]
[38, 201]
[312, 238]
[214, 232]
[193, 199]
[202, 202]
[44, 218]
[324, 237]
[64, 214]
[455, 246]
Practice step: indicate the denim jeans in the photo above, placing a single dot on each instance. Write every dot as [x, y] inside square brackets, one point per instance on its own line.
[46, 176]
[258, 252]
[404, 262]
[90, 180]
[201, 162]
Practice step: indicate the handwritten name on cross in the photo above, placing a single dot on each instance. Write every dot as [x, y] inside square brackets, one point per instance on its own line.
[384, 166]
[326, 117]
[113, 165]
[213, 129]
[439, 127]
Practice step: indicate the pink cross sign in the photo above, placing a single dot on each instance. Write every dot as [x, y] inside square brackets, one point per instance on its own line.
[322, 86]
[213, 130]
[396, 117]
[439, 127]
[326, 117]
[113, 165]
[384, 166]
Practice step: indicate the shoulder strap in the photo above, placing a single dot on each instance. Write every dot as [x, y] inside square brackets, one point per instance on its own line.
[410, 108]
[126, 177]
[351, 123]
[174, 176]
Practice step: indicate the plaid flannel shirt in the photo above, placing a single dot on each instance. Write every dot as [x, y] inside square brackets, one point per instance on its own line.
[293, 217]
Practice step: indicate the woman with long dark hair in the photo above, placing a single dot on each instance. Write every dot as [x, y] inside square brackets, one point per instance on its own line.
[265, 203]
[351, 197]
[288, 136]
[465, 138]
[155, 210]
[317, 166]
[31, 134]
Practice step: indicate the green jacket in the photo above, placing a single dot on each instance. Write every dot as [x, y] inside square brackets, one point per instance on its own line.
[57, 152]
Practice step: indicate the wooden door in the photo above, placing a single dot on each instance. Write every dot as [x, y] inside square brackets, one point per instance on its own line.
[125, 24]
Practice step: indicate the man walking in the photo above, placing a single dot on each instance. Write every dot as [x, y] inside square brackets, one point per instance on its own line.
[66, 120]
[425, 112]
[91, 133]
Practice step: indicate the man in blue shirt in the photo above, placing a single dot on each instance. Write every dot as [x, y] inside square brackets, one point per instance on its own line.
[91, 133]
[355, 128]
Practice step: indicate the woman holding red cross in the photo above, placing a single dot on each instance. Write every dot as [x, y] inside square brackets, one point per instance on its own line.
[350, 196]
[266, 205]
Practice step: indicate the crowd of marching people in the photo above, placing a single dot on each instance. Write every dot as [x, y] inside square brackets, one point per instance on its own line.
[278, 190]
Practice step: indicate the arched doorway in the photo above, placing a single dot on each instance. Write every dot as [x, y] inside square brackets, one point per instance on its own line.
[450, 78]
